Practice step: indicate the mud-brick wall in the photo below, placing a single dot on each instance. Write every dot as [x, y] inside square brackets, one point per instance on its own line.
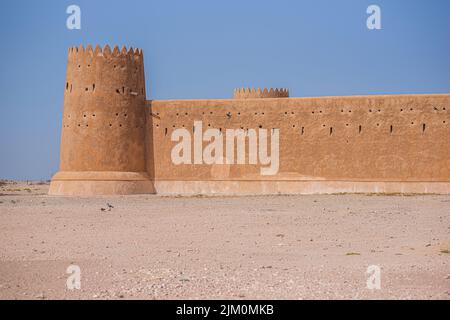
[373, 138]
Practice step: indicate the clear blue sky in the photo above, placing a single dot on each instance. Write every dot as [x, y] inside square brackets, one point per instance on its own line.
[204, 49]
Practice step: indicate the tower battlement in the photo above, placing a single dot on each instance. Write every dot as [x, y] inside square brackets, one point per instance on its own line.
[115, 141]
[105, 52]
[118, 70]
[252, 93]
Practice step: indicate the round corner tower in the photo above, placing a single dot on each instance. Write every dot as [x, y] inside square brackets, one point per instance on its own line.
[103, 127]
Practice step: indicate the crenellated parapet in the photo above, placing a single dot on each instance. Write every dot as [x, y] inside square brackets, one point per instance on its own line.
[105, 51]
[252, 93]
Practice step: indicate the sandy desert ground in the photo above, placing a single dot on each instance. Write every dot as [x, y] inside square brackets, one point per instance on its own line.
[271, 247]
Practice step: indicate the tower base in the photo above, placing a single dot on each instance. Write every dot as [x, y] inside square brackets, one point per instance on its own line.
[90, 183]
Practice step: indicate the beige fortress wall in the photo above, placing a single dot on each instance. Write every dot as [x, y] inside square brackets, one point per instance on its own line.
[103, 129]
[396, 143]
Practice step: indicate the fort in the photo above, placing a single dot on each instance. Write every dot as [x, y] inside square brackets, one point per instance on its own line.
[115, 141]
